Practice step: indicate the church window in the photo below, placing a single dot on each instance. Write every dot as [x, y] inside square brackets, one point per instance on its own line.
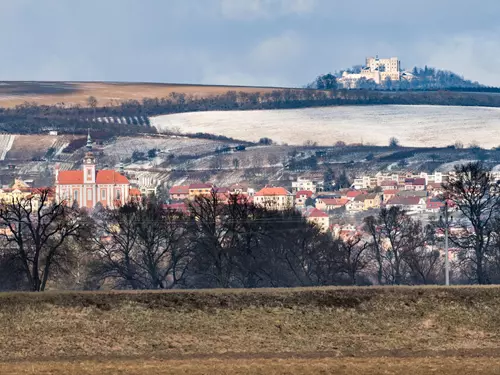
[75, 195]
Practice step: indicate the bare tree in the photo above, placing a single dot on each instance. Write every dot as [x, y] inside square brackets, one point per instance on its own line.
[371, 227]
[354, 257]
[212, 240]
[477, 197]
[35, 229]
[116, 240]
[92, 103]
[394, 237]
[162, 255]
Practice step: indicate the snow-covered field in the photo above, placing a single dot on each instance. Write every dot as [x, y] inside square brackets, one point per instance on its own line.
[412, 125]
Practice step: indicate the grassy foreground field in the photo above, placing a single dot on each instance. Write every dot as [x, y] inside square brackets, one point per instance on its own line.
[297, 331]
[106, 93]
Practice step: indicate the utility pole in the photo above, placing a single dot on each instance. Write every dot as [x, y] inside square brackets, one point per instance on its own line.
[446, 253]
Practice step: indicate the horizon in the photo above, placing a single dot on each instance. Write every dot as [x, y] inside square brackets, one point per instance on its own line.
[262, 43]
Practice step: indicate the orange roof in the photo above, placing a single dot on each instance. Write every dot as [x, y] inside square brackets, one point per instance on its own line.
[134, 191]
[354, 193]
[391, 191]
[102, 177]
[335, 201]
[307, 193]
[271, 191]
[110, 177]
[317, 213]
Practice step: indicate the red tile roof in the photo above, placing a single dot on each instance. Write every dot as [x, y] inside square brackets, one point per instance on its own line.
[200, 186]
[110, 177]
[102, 177]
[272, 191]
[135, 192]
[415, 181]
[180, 189]
[335, 201]
[389, 183]
[307, 193]
[353, 193]
[317, 213]
[391, 191]
[404, 201]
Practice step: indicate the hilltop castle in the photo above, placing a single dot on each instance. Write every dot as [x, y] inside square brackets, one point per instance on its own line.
[378, 70]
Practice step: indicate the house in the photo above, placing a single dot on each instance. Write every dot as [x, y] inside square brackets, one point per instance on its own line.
[89, 186]
[179, 192]
[388, 185]
[222, 193]
[434, 205]
[435, 188]
[413, 204]
[311, 183]
[417, 184]
[388, 194]
[344, 232]
[319, 218]
[301, 196]
[371, 201]
[328, 204]
[351, 194]
[241, 189]
[200, 189]
[412, 193]
[135, 194]
[181, 207]
[277, 198]
[365, 182]
[357, 204]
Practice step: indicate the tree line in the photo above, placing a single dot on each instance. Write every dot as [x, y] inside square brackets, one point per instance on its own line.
[234, 243]
[33, 118]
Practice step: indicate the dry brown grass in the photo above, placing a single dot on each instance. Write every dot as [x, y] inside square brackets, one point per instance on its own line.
[290, 366]
[252, 331]
[106, 93]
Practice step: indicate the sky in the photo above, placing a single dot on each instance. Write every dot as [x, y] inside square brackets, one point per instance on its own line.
[242, 42]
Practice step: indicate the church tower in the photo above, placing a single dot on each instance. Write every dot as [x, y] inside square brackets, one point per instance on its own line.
[89, 171]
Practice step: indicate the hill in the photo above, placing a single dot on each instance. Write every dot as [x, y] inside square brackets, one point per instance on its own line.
[416, 126]
[14, 93]
[295, 331]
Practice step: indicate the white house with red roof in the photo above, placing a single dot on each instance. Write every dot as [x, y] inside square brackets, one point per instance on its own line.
[88, 186]
[319, 218]
[301, 197]
[277, 198]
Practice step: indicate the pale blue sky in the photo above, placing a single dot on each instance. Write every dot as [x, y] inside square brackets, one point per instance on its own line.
[250, 42]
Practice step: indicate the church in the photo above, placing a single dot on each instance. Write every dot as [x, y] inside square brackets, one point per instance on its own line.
[89, 186]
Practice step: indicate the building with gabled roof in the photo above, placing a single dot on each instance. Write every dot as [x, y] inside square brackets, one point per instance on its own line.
[328, 204]
[179, 192]
[277, 198]
[88, 187]
[301, 197]
[318, 217]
